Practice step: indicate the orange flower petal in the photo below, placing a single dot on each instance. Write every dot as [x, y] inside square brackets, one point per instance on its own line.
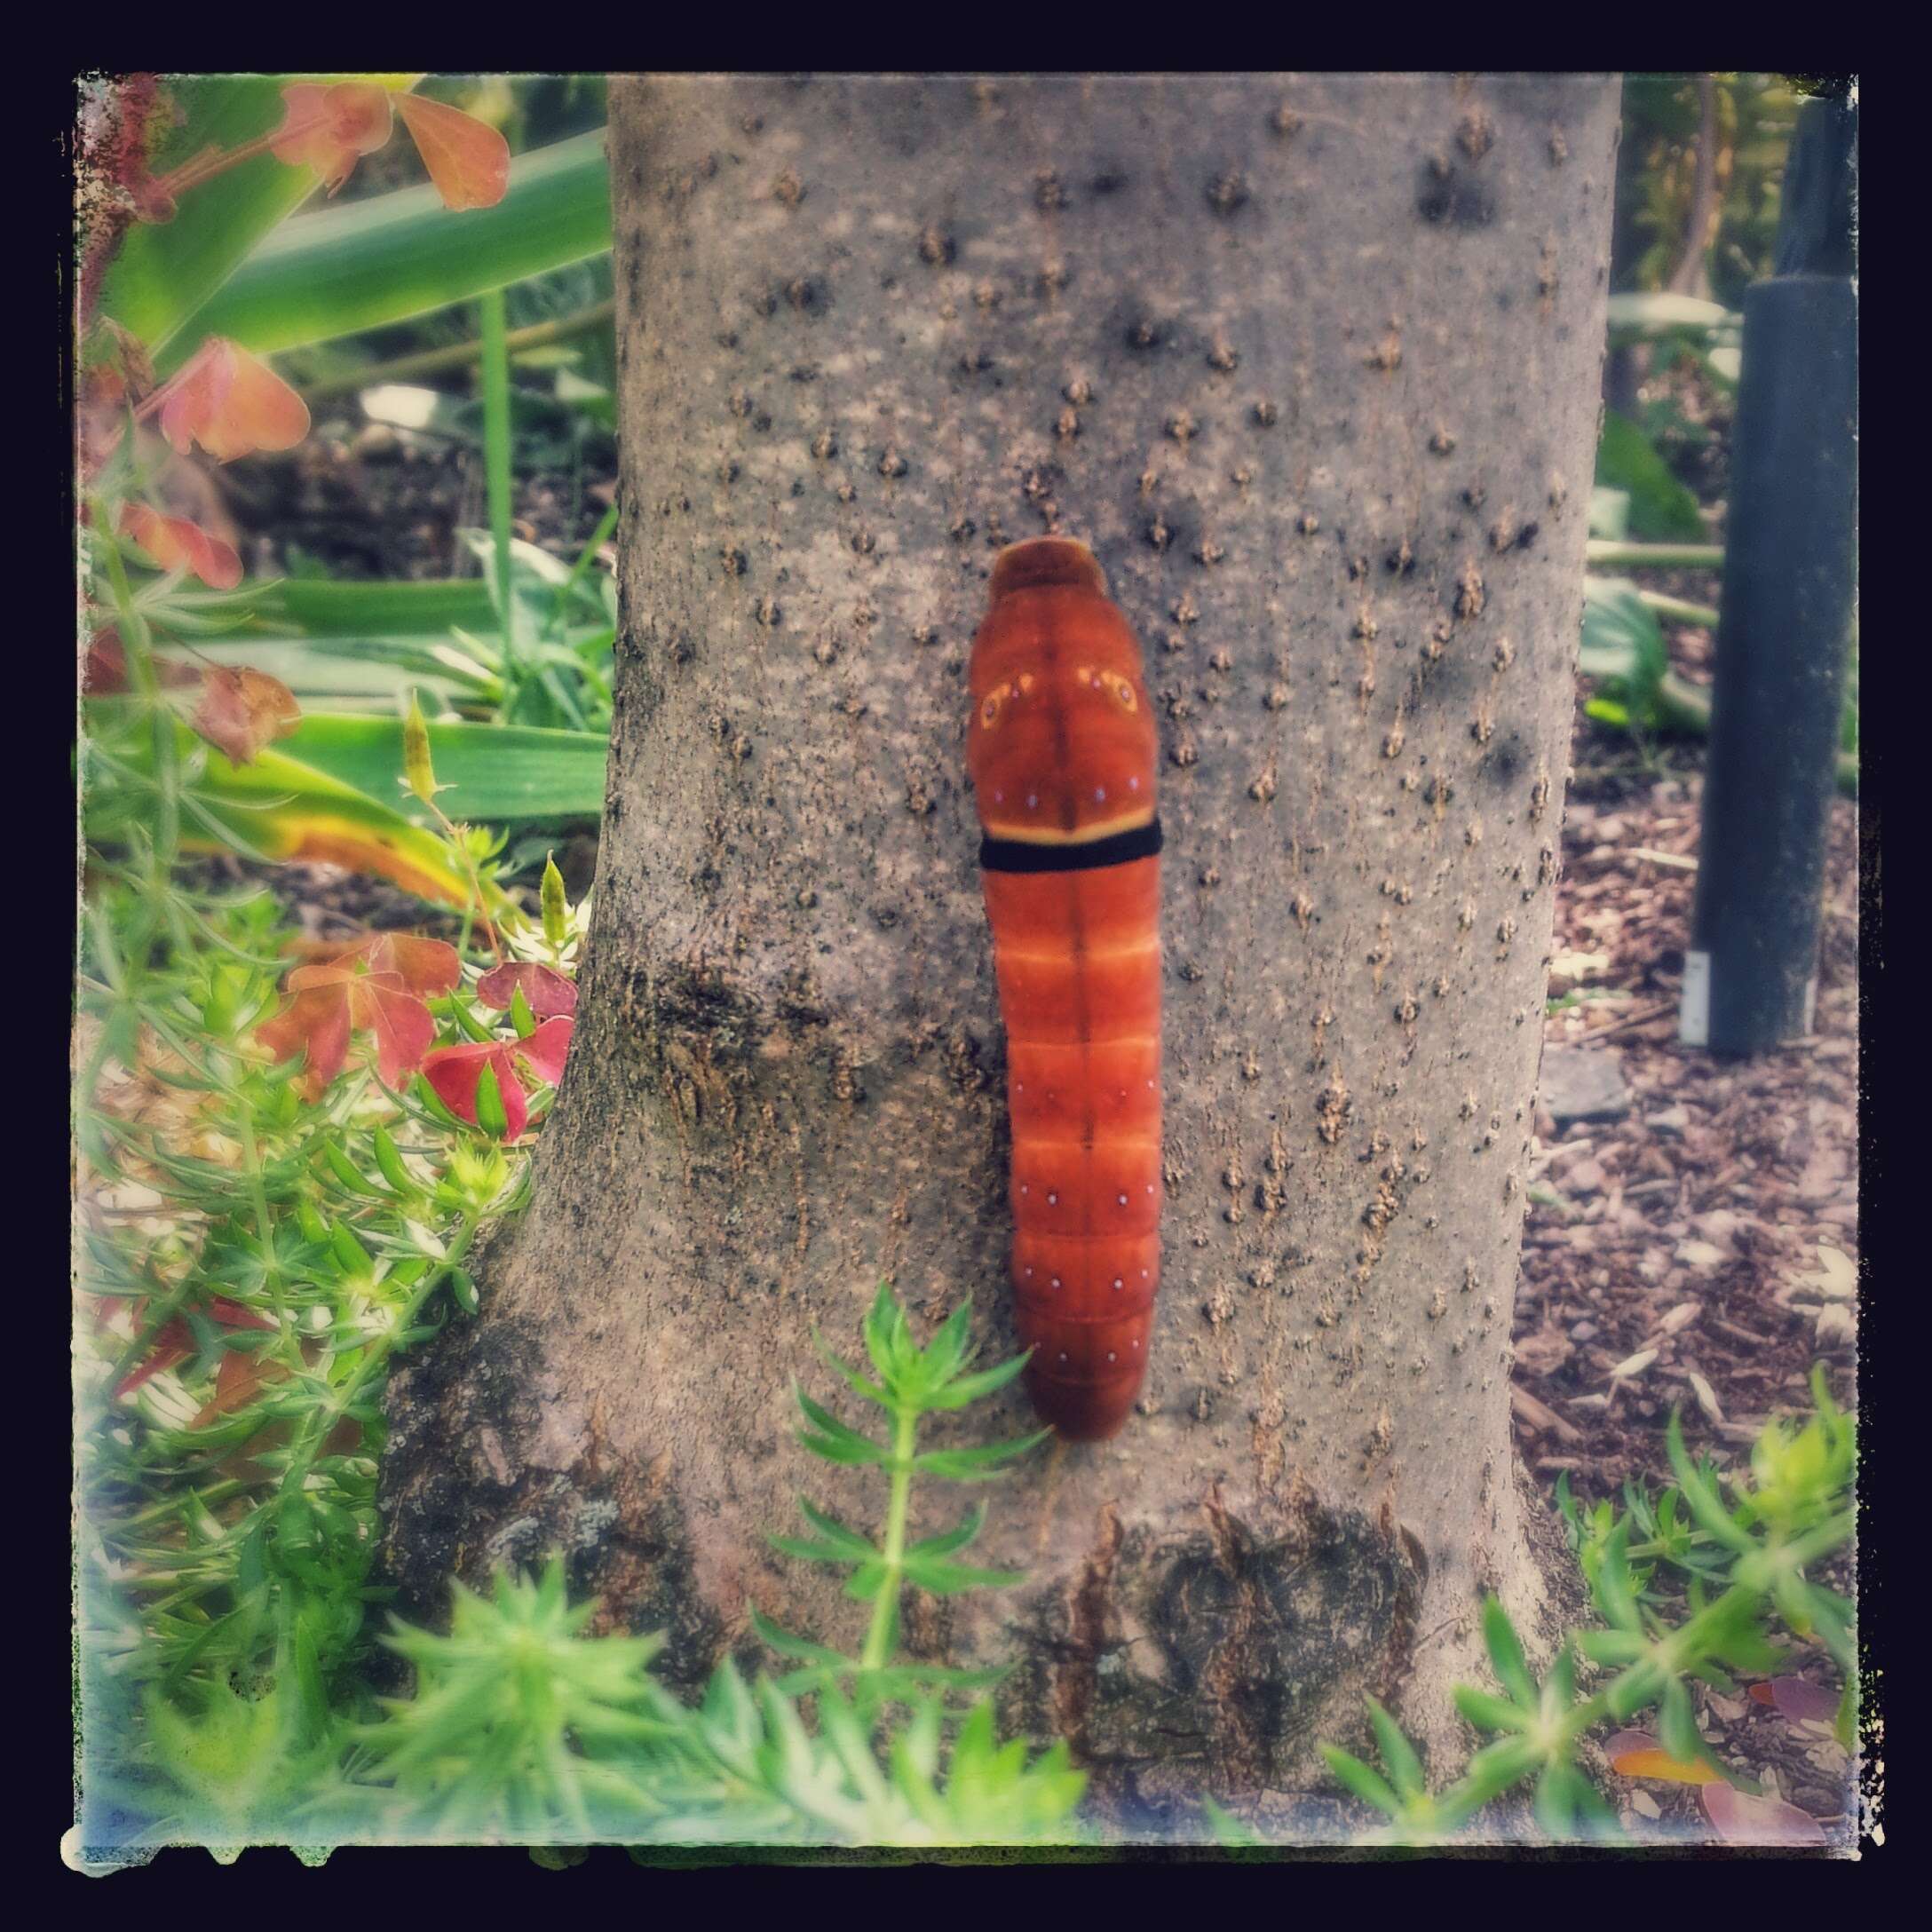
[176, 543]
[232, 404]
[241, 711]
[328, 128]
[468, 160]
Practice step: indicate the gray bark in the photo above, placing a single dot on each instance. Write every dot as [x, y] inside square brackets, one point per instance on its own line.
[1313, 365]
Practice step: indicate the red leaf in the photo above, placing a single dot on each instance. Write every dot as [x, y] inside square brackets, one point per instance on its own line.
[403, 1029]
[230, 403]
[316, 1022]
[456, 1071]
[377, 986]
[330, 129]
[237, 1382]
[468, 160]
[548, 992]
[174, 1341]
[544, 1050]
[427, 966]
[1740, 1819]
[1635, 1753]
[241, 711]
[176, 543]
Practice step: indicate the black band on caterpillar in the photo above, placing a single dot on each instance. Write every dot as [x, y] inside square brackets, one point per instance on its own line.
[1021, 855]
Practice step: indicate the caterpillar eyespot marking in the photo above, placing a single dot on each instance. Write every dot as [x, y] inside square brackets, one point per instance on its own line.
[1070, 867]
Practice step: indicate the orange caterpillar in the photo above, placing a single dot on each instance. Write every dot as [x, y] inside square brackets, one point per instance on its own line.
[1062, 750]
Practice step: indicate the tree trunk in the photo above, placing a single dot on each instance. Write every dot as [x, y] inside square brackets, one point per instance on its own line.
[1313, 366]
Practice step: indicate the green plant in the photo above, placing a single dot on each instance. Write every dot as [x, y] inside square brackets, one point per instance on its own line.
[522, 1727]
[1745, 1569]
[187, 268]
[553, 1736]
[267, 1223]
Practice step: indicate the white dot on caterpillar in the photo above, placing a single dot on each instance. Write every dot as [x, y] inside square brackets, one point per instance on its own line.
[1032, 801]
[1025, 1189]
[1100, 794]
[1149, 1187]
[1117, 1281]
[1053, 1200]
[1056, 1281]
[1062, 1357]
[1027, 1273]
[1136, 1342]
[1133, 784]
[998, 798]
[1144, 1274]
[1111, 1357]
[1123, 1200]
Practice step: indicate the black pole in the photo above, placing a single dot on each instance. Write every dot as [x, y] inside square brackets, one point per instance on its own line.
[1785, 616]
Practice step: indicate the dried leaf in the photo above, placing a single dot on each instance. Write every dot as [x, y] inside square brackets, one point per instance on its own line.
[1835, 1325]
[1799, 1701]
[243, 710]
[1706, 1396]
[1837, 1276]
[1701, 1253]
[1740, 1819]
[1633, 1365]
[1637, 1753]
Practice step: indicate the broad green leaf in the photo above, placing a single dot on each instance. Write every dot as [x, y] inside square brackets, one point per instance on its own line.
[330, 607]
[280, 807]
[491, 774]
[1623, 648]
[163, 270]
[1662, 508]
[364, 265]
